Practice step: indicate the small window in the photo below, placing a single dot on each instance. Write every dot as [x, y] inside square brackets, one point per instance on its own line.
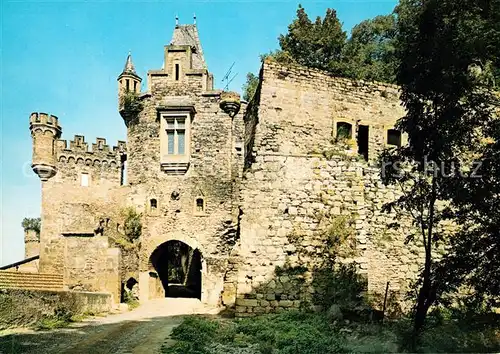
[135, 86]
[84, 180]
[153, 203]
[177, 72]
[127, 84]
[394, 137]
[344, 131]
[200, 206]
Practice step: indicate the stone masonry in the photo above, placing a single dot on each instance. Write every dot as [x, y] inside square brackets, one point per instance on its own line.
[246, 185]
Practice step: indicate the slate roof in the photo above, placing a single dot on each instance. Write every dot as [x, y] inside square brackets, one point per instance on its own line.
[188, 35]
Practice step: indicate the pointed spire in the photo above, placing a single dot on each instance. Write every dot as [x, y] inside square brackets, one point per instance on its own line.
[129, 66]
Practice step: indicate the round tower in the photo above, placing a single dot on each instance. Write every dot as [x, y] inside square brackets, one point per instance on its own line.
[45, 130]
[31, 243]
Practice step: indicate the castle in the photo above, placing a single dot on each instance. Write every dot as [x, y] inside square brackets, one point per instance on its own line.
[224, 191]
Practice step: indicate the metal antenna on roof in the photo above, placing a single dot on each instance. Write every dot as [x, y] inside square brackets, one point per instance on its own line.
[194, 17]
[226, 79]
[177, 20]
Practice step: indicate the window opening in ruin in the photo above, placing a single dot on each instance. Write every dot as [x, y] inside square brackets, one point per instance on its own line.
[84, 180]
[363, 135]
[127, 84]
[135, 86]
[153, 204]
[123, 171]
[344, 131]
[394, 137]
[176, 135]
[177, 68]
[179, 269]
[200, 206]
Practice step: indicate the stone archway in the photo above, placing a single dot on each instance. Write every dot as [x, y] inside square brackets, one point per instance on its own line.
[179, 268]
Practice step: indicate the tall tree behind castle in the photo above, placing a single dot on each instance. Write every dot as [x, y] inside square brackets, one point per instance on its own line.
[368, 54]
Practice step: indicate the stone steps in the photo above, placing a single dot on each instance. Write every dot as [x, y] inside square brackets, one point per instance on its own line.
[40, 281]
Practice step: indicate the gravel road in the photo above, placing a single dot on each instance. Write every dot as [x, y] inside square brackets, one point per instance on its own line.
[142, 330]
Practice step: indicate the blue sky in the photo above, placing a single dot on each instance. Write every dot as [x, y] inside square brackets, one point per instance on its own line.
[63, 58]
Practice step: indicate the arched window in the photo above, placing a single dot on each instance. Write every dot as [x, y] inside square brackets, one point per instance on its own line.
[200, 206]
[344, 131]
[153, 203]
[394, 137]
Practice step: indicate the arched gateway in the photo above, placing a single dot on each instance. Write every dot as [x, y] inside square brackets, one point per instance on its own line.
[178, 269]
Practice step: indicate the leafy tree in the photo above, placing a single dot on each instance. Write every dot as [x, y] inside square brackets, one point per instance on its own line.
[439, 41]
[250, 86]
[474, 255]
[316, 44]
[369, 53]
[33, 224]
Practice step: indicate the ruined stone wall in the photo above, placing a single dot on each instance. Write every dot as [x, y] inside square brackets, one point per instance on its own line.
[24, 307]
[289, 188]
[302, 106]
[92, 265]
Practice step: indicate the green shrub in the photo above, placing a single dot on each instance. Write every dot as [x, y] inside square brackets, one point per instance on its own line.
[310, 333]
[133, 224]
[193, 336]
[33, 224]
[342, 286]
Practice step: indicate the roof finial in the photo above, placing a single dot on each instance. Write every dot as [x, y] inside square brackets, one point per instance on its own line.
[194, 17]
[176, 20]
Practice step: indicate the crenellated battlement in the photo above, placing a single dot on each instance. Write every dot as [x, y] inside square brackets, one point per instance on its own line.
[37, 118]
[77, 151]
[41, 122]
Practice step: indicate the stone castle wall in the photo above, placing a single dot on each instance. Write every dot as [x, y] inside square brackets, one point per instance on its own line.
[289, 188]
[72, 241]
[271, 179]
[214, 163]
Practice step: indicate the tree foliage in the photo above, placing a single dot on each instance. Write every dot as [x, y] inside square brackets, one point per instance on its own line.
[133, 224]
[443, 48]
[474, 255]
[315, 44]
[250, 86]
[369, 54]
[33, 224]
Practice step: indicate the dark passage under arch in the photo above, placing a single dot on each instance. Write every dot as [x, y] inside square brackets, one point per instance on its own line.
[179, 268]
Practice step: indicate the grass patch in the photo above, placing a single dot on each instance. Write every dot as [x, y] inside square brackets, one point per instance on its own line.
[312, 333]
[48, 323]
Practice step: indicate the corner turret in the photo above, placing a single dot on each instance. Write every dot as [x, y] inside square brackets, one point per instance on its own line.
[129, 81]
[129, 87]
[45, 130]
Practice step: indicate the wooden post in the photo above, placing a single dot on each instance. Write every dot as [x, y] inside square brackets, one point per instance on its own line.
[385, 301]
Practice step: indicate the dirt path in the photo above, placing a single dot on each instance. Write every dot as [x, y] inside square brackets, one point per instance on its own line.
[142, 330]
